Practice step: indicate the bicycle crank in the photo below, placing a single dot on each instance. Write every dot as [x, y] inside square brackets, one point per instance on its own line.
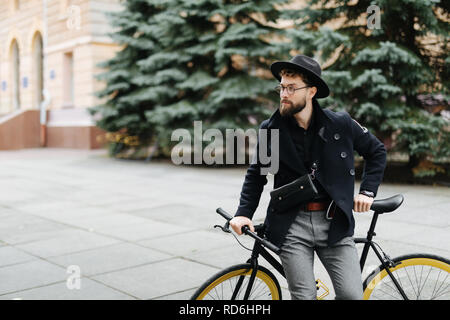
[322, 290]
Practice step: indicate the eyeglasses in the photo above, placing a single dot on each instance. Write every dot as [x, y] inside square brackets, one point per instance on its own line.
[290, 89]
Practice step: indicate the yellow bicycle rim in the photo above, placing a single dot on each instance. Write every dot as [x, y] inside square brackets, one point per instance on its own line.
[404, 263]
[243, 272]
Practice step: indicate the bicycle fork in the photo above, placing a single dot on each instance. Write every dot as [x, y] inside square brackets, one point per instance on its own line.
[387, 264]
[254, 268]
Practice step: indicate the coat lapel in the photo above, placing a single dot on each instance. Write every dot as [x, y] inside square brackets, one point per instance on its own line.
[322, 143]
[323, 122]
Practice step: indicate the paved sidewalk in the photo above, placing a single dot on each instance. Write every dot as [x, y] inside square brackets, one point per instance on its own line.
[136, 230]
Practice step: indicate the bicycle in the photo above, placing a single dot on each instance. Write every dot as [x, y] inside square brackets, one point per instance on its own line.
[414, 276]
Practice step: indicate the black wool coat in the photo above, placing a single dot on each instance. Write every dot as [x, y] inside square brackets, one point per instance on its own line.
[338, 136]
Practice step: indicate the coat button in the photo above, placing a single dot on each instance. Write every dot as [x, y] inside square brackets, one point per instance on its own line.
[343, 154]
[352, 172]
[337, 136]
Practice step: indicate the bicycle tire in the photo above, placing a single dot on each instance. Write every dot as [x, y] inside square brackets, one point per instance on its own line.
[431, 275]
[266, 285]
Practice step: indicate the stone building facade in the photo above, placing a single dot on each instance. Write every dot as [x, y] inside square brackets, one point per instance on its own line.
[53, 45]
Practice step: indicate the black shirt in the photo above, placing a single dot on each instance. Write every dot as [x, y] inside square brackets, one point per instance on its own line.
[303, 141]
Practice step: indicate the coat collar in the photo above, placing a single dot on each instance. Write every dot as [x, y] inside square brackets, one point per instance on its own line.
[288, 153]
[276, 121]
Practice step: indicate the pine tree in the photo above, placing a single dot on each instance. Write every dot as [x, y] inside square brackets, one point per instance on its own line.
[187, 60]
[122, 114]
[379, 72]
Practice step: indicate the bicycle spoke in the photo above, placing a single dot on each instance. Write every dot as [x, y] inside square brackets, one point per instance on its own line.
[439, 275]
[211, 296]
[412, 285]
[435, 284]
[255, 287]
[231, 288]
[388, 293]
[398, 278]
[393, 287]
[418, 283]
[394, 290]
[261, 290]
[225, 289]
[215, 290]
[444, 292]
[421, 282]
[234, 288]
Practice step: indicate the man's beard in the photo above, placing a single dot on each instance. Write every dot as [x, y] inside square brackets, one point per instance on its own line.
[290, 109]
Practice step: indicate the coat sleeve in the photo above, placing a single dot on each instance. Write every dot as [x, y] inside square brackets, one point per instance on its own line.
[374, 153]
[253, 186]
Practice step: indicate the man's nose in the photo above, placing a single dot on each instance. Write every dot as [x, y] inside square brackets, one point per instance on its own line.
[283, 93]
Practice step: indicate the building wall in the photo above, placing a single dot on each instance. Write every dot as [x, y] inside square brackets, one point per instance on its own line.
[76, 28]
[77, 41]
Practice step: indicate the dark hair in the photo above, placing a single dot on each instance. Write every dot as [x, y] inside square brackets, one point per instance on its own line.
[294, 73]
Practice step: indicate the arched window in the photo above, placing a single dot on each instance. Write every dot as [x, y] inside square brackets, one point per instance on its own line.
[38, 74]
[68, 80]
[2, 85]
[15, 74]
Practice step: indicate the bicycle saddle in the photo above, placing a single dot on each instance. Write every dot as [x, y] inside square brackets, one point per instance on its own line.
[388, 204]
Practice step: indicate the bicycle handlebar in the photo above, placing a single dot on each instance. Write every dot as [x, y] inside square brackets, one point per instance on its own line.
[246, 230]
[224, 214]
[265, 243]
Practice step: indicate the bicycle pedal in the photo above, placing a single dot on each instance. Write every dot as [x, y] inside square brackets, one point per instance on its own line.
[322, 290]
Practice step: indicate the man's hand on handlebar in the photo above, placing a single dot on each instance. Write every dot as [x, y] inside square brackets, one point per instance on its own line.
[238, 222]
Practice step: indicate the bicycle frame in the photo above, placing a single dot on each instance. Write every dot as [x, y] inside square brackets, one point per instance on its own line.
[386, 262]
[258, 250]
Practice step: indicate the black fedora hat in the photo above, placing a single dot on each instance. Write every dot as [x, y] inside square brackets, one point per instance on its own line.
[306, 65]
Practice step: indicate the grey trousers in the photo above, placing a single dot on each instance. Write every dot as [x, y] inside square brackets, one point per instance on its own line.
[309, 234]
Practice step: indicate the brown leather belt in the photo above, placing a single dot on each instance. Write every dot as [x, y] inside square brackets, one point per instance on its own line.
[316, 206]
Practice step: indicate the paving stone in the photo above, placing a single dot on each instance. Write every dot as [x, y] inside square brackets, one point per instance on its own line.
[186, 244]
[66, 241]
[95, 222]
[88, 290]
[110, 258]
[157, 279]
[10, 255]
[30, 275]
[23, 228]
[148, 230]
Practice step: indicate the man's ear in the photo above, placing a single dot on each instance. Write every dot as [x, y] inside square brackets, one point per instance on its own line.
[312, 92]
